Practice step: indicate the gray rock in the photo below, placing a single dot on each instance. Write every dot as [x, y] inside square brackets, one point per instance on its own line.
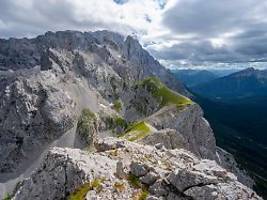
[146, 65]
[64, 170]
[138, 169]
[34, 111]
[100, 56]
[152, 198]
[227, 161]
[174, 196]
[120, 173]
[149, 178]
[158, 189]
[189, 122]
[169, 138]
[109, 143]
[184, 179]
[158, 145]
[208, 192]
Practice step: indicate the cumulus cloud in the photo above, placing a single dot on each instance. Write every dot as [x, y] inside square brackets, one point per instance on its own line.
[31, 17]
[216, 33]
[180, 33]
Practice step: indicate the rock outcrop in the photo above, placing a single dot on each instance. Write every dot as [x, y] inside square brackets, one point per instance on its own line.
[227, 161]
[189, 122]
[34, 111]
[169, 138]
[125, 170]
[54, 77]
[105, 58]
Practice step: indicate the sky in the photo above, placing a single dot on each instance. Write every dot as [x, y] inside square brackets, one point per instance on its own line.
[179, 33]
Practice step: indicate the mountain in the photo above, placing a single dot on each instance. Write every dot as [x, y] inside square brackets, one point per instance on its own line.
[247, 83]
[223, 72]
[93, 116]
[192, 78]
[100, 51]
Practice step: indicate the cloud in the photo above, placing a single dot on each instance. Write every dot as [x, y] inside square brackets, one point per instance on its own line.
[211, 17]
[216, 33]
[31, 17]
[179, 33]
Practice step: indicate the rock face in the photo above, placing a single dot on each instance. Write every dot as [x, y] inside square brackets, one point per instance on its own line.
[189, 122]
[30, 105]
[150, 172]
[53, 76]
[169, 138]
[227, 161]
[105, 58]
[71, 89]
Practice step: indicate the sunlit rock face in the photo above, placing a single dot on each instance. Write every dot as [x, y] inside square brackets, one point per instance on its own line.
[51, 74]
[122, 170]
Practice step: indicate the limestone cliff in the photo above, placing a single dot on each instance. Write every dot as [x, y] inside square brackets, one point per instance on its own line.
[126, 170]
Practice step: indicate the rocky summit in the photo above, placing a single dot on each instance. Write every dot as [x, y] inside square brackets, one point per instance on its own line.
[120, 169]
[94, 116]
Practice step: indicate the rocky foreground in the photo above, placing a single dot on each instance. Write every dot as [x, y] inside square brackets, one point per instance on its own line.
[126, 170]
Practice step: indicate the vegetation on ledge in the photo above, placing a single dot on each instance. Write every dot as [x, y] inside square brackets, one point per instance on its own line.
[137, 131]
[117, 105]
[7, 197]
[164, 95]
[85, 122]
[135, 182]
[143, 194]
[80, 192]
[116, 123]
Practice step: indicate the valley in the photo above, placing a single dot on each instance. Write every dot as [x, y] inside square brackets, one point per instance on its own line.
[235, 106]
[241, 130]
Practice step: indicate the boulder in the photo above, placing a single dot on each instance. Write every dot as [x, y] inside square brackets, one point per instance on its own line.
[178, 173]
[169, 138]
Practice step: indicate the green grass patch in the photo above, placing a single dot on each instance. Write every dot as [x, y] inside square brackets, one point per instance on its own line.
[117, 105]
[96, 184]
[7, 197]
[163, 94]
[119, 121]
[134, 181]
[116, 123]
[143, 194]
[137, 131]
[85, 122]
[80, 192]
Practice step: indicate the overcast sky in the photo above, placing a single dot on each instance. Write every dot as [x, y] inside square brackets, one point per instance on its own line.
[180, 33]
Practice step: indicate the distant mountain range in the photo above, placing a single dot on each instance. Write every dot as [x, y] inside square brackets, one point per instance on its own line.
[235, 105]
[243, 84]
[194, 77]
